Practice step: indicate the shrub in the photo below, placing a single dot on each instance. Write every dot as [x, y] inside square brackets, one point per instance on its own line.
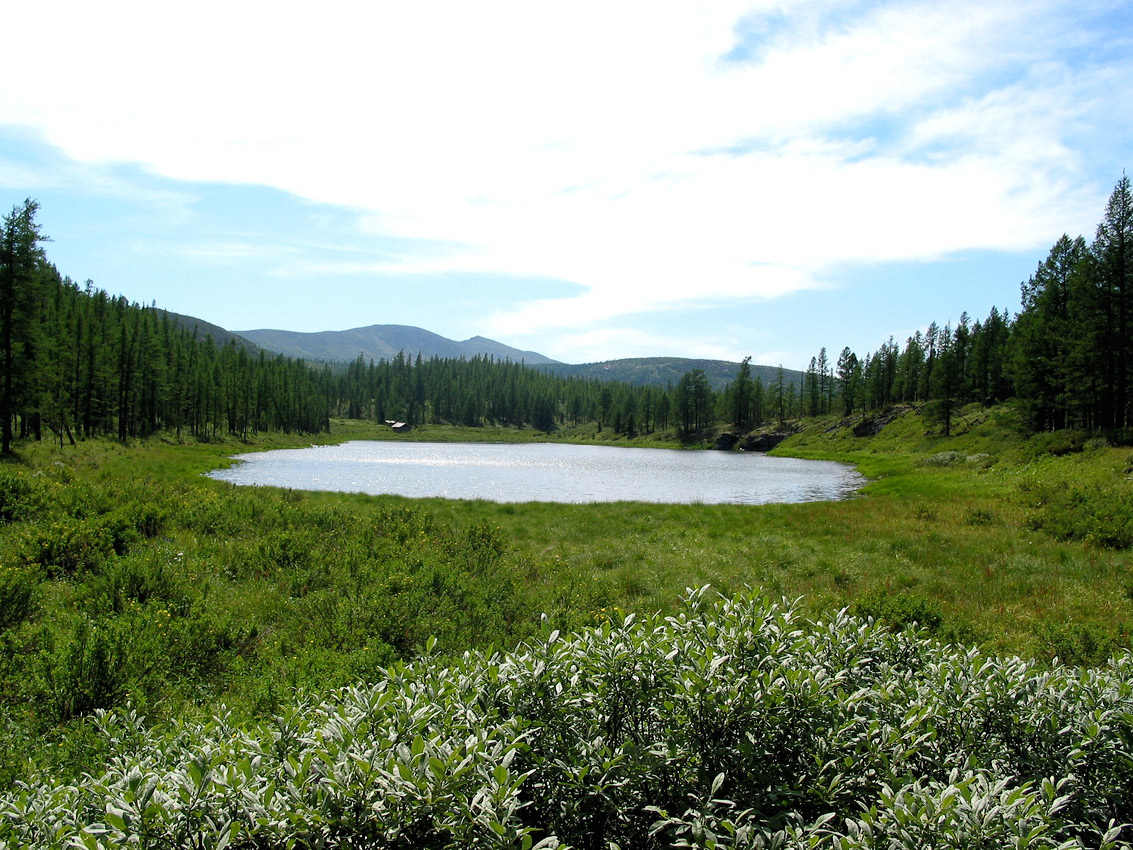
[136, 579]
[979, 517]
[120, 530]
[146, 517]
[1055, 443]
[948, 458]
[1077, 643]
[66, 546]
[733, 723]
[900, 611]
[15, 496]
[91, 673]
[1099, 515]
[17, 596]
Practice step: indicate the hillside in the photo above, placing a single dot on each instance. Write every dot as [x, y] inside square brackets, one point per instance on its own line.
[662, 371]
[383, 342]
[203, 329]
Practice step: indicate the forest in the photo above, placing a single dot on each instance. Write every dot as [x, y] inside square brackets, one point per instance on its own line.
[80, 363]
[1063, 357]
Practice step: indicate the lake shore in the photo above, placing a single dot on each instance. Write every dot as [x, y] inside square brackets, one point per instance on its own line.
[191, 593]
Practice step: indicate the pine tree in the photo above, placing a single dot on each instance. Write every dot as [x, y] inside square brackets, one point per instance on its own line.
[1113, 253]
[20, 258]
[1042, 340]
[741, 396]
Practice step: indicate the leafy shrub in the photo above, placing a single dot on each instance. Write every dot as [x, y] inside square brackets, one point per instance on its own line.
[1077, 643]
[15, 496]
[979, 517]
[132, 580]
[481, 547]
[146, 516]
[66, 546]
[980, 460]
[120, 529]
[948, 458]
[734, 723]
[91, 673]
[924, 512]
[900, 611]
[17, 596]
[1055, 443]
[1099, 515]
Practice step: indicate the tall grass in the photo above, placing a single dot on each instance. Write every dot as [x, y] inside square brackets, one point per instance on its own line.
[128, 577]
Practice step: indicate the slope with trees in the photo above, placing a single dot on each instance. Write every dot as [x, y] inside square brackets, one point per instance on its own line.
[80, 363]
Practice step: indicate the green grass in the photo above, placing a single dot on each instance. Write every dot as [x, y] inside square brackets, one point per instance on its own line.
[127, 575]
[957, 522]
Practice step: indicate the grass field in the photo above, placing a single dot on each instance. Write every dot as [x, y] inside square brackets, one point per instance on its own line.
[126, 576]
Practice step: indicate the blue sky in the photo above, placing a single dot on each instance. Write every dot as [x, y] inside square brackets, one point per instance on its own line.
[588, 180]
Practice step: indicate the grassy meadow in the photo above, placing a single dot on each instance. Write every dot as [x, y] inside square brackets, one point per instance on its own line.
[972, 536]
[129, 578]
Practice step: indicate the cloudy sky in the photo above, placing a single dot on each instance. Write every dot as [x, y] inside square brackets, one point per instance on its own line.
[590, 180]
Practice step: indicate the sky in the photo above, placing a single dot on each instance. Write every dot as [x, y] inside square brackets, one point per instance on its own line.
[589, 180]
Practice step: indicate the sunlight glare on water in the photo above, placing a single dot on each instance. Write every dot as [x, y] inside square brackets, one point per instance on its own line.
[546, 472]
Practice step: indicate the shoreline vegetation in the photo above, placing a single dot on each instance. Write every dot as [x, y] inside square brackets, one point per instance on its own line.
[136, 585]
[972, 535]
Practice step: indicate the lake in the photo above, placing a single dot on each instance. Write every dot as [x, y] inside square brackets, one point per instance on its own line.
[546, 472]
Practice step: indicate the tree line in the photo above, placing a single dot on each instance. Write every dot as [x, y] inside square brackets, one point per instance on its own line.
[76, 362]
[81, 363]
[1064, 357]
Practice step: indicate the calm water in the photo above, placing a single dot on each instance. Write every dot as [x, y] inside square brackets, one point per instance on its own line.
[545, 472]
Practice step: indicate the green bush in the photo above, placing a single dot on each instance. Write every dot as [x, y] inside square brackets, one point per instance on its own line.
[1102, 515]
[145, 516]
[15, 496]
[91, 672]
[900, 611]
[1055, 443]
[1077, 643]
[64, 547]
[979, 517]
[17, 596]
[138, 579]
[733, 724]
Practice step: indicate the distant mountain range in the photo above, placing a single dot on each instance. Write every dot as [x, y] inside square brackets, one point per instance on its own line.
[383, 342]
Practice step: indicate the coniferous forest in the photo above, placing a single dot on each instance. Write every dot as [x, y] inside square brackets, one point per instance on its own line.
[77, 362]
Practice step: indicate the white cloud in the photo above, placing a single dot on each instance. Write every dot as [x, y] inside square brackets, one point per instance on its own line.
[615, 342]
[575, 141]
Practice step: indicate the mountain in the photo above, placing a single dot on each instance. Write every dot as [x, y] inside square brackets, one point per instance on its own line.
[662, 371]
[383, 342]
[202, 328]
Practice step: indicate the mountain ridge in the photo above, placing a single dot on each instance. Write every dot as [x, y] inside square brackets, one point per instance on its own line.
[384, 342]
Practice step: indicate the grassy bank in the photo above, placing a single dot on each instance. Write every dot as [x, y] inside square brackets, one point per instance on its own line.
[1017, 544]
[129, 577]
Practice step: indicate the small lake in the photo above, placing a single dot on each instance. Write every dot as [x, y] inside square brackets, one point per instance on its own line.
[546, 472]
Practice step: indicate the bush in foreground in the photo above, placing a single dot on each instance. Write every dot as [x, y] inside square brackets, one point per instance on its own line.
[733, 724]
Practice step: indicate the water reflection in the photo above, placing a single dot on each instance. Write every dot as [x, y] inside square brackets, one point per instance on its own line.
[546, 472]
